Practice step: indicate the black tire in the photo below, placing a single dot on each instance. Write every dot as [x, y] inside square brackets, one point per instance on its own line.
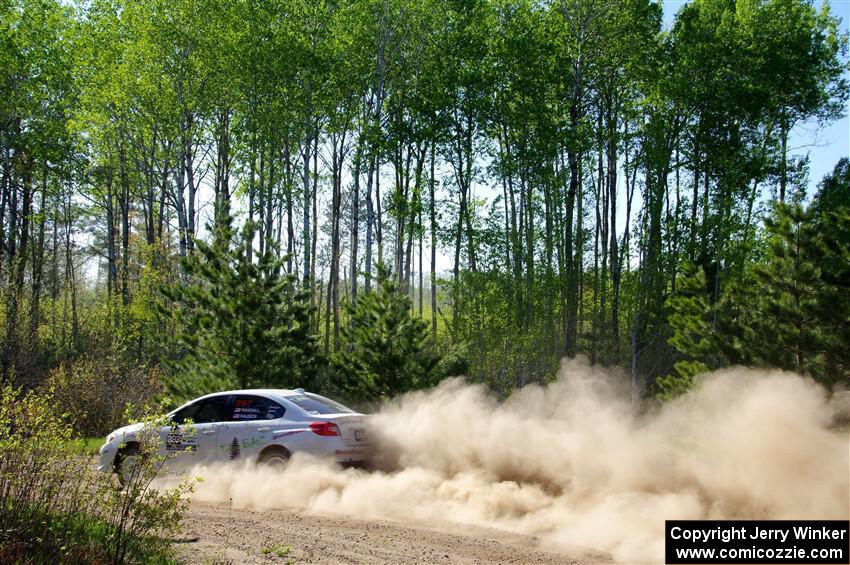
[125, 462]
[275, 457]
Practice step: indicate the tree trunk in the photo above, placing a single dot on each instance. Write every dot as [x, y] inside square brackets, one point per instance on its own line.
[613, 253]
[38, 264]
[124, 208]
[355, 220]
[315, 234]
[432, 206]
[290, 222]
[370, 222]
[19, 260]
[308, 141]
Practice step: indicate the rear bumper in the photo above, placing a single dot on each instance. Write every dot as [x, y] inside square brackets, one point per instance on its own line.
[358, 454]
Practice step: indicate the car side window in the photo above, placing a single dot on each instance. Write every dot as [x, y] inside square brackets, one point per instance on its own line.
[203, 411]
[248, 407]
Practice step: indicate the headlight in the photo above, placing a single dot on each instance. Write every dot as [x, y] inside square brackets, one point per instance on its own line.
[110, 437]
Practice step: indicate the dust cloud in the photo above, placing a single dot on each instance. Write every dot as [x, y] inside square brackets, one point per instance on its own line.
[572, 463]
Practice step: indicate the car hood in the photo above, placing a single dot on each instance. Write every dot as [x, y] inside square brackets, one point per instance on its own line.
[129, 430]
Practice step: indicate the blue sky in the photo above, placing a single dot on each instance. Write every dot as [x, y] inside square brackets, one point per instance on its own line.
[825, 145]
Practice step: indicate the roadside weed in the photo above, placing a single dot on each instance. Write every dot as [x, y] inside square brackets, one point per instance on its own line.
[279, 550]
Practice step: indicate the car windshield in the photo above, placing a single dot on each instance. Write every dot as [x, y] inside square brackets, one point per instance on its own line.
[315, 404]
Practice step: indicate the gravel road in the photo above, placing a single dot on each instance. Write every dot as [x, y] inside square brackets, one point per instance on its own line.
[218, 535]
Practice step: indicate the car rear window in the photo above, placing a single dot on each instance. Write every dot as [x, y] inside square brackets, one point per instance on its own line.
[247, 407]
[315, 404]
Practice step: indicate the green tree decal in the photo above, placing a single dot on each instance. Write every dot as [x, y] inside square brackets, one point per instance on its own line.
[234, 449]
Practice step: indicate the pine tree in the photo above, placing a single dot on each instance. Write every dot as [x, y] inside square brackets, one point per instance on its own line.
[766, 316]
[790, 282]
[829, 248]
[241, 323]
[690, 320]
[386, 350]
[235, 451]
[792, 311]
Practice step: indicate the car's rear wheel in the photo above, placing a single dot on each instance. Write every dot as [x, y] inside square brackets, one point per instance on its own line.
[126, 463]
[274, 457]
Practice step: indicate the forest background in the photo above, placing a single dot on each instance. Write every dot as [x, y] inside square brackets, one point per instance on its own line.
[364, 197]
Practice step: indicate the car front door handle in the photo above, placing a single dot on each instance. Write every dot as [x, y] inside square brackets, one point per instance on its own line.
[264, 429]
[208, 432]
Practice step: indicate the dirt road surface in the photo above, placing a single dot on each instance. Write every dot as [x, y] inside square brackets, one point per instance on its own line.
[218, 535]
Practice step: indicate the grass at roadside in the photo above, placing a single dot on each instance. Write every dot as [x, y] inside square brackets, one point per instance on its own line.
[86, 445]
[72, 537]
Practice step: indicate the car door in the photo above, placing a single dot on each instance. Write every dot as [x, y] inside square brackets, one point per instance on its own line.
[250, 427]
[193, 436]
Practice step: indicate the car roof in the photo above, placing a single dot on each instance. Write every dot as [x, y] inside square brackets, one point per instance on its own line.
[281, 393]
[267, 391]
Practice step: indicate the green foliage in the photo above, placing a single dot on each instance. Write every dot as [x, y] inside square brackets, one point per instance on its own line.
[241, 323]
[680, 382]
[92, 389]
[792, 310]
[790, 283]
[690, 321]
[115, 113]
[385, 349]
[72, 513]
[833, 196]
[280, 550]
[139, 322]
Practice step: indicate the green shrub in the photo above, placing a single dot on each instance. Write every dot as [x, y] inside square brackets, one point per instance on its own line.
[100, 392]
[56, 508]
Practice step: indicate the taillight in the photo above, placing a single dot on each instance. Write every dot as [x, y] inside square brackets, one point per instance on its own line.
[324, 428]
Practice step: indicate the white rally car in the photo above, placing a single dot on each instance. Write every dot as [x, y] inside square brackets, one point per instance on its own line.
[263, 425]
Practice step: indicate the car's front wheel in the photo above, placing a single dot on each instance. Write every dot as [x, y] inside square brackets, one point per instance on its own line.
[126, 463]
[274, 457]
